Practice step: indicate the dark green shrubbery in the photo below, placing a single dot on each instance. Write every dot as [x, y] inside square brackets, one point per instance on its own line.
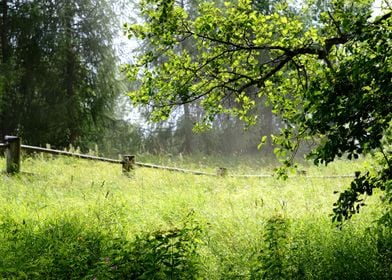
[162, 254]
[292, 250]
[56, 250]
[271, 261]
[383, 241]
[70, 250]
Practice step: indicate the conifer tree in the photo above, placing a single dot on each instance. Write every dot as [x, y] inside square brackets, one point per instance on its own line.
[60, 82]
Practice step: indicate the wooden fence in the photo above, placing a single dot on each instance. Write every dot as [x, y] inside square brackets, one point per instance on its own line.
[13, 147]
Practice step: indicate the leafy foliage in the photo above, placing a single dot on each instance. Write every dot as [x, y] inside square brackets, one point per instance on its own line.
[66, 249]
[163, 254]
[271, 262]
[324, 70]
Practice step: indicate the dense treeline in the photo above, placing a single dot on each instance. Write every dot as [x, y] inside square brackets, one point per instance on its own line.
[58, 70]
[59, 84]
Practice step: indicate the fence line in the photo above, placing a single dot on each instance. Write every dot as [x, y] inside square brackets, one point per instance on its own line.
[175, 169]
[128, 162]
[295, 176]
[13, 146]
[195, 172]
[65, 153]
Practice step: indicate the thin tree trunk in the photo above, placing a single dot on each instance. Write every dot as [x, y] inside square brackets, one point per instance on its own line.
[187, 145]
[5, 51]
[70, 79]
[267, 126]
[5, 57]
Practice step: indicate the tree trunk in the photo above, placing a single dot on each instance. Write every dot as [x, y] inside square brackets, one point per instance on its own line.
[5, 57]
[70, 65]
[267, 126]
[187, 145]
[5, 50]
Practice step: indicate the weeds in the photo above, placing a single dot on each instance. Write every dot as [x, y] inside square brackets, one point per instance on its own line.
[67, 249]
[271, 259]
[162, 254]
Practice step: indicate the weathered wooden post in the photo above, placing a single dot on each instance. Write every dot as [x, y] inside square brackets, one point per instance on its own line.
[12, 154]
[221, 172]
[128, 163]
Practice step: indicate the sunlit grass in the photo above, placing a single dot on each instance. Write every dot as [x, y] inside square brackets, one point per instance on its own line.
[233, 212]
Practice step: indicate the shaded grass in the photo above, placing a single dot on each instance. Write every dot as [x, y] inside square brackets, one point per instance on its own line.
[75, 219]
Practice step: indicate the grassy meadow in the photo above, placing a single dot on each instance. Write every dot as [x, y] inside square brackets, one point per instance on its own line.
[64, 218]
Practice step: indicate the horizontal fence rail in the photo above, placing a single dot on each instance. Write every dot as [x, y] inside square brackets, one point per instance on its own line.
[65, 153]
[175, 169]
[293, 176]
[261, 176]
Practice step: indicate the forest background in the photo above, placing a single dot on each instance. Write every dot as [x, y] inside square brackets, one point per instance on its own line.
[61, 84]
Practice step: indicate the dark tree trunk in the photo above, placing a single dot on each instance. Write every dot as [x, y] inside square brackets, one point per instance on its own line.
[5, 57]
[4, 33]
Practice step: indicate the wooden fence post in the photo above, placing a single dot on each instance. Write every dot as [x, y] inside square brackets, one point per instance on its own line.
[127, 164]
[12, 154]
[221, 172]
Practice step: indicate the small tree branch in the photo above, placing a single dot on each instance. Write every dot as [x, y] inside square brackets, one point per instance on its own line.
[386, 157]
[335, 23]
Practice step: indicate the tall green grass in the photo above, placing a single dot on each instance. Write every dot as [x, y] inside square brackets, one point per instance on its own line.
[63, 218]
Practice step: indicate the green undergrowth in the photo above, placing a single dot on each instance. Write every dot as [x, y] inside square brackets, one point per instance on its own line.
[63, 218]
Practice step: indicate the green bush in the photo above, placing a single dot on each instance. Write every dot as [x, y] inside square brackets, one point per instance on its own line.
[271, 262]
[68, 249]
[64, 249]
[162, 254]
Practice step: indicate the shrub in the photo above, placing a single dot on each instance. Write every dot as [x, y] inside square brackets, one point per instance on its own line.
[162, 254]
[270, 261]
